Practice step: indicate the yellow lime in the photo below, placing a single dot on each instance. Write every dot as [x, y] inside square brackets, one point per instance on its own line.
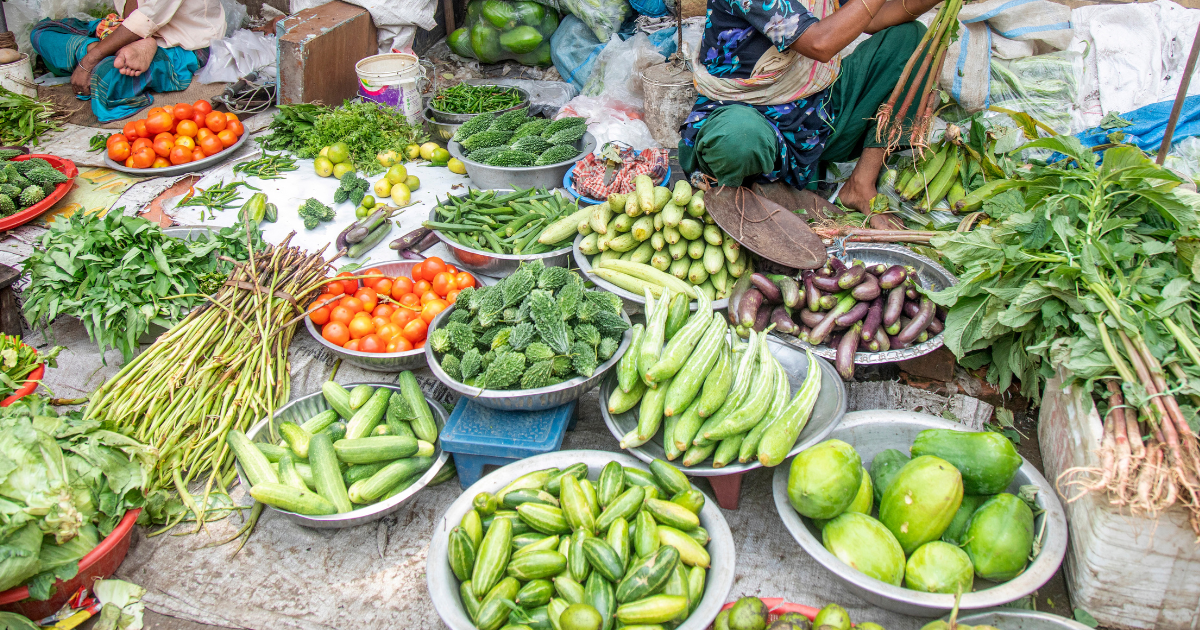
[341, 168]
[338, 152]
[427, 150]
[412, 151]
[440, 157]
[368, 201]
[361, 212]
[412, 182]
[387, 158]
[456, 166]
[383, 187]
[401, 195]
[323, 166]
[397, 174]
[324, 152]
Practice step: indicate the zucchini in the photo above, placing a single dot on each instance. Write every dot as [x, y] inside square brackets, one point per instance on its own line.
[254, 463]
[326, 475]
[292, 499]
[338, 398]
[375, 449]
[423, 424]
[369, 415]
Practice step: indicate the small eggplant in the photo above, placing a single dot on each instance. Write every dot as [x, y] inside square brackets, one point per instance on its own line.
[783, 322]
[788, 288]
[894, 306]
[911, 308]
[893, 277]
[873, 320]
[812, 296]
[409, 254]
[822, 330]
[942, 312]
[340, 241]
[873, 346]
[885, 343]
[836, 266]
[828, 285]
[845, 353]
[918, 324]
[894, 328]
[923, 337]
[735, 298]
[935, 326]
[810, 318]
[866, 290]
[430, 240]
[762, 319]
[749, 306]
[828, 301]
[410, 239]
[911, 293]
[804, 332]
[769, 291]
[894, 343]
[851, 277]
[856, 313]
[357, 234]
[877, 270]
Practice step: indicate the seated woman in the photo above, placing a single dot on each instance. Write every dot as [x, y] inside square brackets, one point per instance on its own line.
[156, 45]
[776, 94]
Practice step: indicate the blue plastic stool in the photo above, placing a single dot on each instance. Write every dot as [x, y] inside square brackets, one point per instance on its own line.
[479, 436]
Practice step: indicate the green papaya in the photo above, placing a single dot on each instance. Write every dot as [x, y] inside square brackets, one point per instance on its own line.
[999, 538]
[460, 43]
[958, 524]
[862, 502]
[823, 480]
[921, 501]
[939, 567]
[987, 460]
[485, 42]
[521, 40]
[865, 544]
[529, 13]
[884, 467]
[501, 14]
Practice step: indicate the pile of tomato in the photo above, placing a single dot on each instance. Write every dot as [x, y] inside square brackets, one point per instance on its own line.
[175, 135]
[384, 314]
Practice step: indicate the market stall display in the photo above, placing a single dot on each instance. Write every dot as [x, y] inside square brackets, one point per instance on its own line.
[959, 488]
[174, 140]
[496, 30]
[24, 120]
[514, 150]
[685, 546]
[21, 367]
[374, 137]
[773, 613]
[345, 457]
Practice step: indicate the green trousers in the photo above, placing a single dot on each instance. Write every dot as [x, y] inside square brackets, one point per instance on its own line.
[737, 143]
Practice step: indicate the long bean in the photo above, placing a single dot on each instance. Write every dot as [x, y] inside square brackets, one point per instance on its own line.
[509, 223]
[220, 196]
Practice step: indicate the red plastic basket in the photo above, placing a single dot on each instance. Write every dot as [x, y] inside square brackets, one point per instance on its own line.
[777, 607]
[31, 384]
[66, 167]
[98, 564]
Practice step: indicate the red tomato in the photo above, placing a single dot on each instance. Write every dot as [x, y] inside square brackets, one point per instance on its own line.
[163, 146]
[383, 286]
[418, 271]
[432, 308]
[443, 283]
[451, 269]
[119, 151]
[462, 280]
[374, 275]
[198, 154]
[334, 287]
[202, 107]
[429, 296]
[181, 155]
[372, 343]
[401, 344]
[140, 125]
[236, 127]
[182, 111]
[348, 285]
[227, 138]
[336, 333]
[341, 314]
[143, 157]
[210, 144]
[419, 345]
[433, 266]
[415, 330]
[402, 316]
[216, 122]
[130, 131]
[141, 142]
[160, 121]
[452, 297]
[384, 310]
[422, 287]
[379, 322]
[114, 138]
[369, 298]
[320, 315]
[354, 304]
[352, 345]
[361, 327]
[388, 331]
[410, 300]
[400, 286]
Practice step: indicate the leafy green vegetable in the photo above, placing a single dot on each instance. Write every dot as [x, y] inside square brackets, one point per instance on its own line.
[18, 360]
[367, 128]
[25, 120]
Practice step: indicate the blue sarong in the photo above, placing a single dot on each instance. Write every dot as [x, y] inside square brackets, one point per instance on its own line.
[62, 43]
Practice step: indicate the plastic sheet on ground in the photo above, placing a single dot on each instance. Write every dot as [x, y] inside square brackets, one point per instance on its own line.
[237, 55]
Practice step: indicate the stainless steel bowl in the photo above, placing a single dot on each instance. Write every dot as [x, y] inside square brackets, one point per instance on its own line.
[871, 432]
[491, 263]
[443, 586]
[830, 407]
[448, 117]
[442, 131]
[299, 411]
[525, 399]
[930, 275]
[1015, 619]
[549, 176]
[376, 362]
[585, 268]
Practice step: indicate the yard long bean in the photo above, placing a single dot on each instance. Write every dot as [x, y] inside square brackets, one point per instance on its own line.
[509, 223]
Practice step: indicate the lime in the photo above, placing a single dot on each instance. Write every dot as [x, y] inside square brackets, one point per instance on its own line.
[361, 212]
[427, 150]
[401, 195]
[580, 617]
[387, 158]
[368, 201]
[412, 182]
[341, 168]
[440, 157]
[456, 166]
[397, 174]
[338, 152]
[323, 166]
[324, 152]
[412, 151]
[383, 187]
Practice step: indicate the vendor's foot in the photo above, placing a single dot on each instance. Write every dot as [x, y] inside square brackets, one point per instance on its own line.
[858, 194]
[134, 59]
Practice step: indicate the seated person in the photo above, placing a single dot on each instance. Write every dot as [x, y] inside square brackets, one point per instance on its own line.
[154, 45]
[776, 94]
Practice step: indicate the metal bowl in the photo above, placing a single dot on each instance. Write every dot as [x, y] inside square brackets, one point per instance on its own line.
[871, 432]
[491, 263]
[1015, 619]
[299, 411]
[830, 407]
[450, 117]
[549, 176]
[930, 275]
[585, 268]
[443, 586]
[179, 169]
[525, 399]
[442, 131]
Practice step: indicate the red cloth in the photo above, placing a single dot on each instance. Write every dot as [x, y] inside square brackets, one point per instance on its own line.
[589, 172]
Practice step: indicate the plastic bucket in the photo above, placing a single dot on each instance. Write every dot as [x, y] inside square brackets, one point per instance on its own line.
[392, 79]
[17, 77]
[669, 97]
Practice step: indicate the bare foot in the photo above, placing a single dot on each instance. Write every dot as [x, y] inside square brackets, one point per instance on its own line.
[134, 59]
[858, 193]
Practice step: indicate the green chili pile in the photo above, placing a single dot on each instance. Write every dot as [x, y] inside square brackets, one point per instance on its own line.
[269, 166]
[476, 99]
[220, 196]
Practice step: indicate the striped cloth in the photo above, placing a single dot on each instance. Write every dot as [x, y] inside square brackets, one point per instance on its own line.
[589, 172]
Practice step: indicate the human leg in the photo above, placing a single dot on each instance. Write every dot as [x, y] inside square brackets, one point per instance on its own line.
[734, 143]
[116, 95]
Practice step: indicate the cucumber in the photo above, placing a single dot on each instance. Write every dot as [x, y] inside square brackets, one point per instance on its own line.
[494, 611]
[679, 268]
[544, 518]
[643, 188]
[470, 602]
[569, 589]
[369, 450]
[575, 507]
[648, 576]
[273, 452]
[517, 497]
[611, 483]
[577, 563]
[320, 422]
[493, 555]
[360, 395]
[643, 229]
[338, 398]
[335, 431]
[623, 506]
[642, 478]
[377, 485]
[254, 464]
[326, 474]
[618, 539]
[692, 499]
[677, 584]
[603, 559]
[291, 499]
[645, 535]
[632, 207]
[652, 610]
[369, 415]
[657, 241]
[423, 425]
[473, 526]
[305, 472]
[620, 402]
[360, 472]
[288, 475]
[671, 234]
[461, 553]
[578, 470]
[680, 348]
[535, 593]
[589, 494]
[381, 430]
[731, 249]
[696, 578]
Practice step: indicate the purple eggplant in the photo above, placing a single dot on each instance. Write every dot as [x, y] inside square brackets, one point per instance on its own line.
[769, 291]
[812, 296]
[851, 277]
[810, 318]
[788, 288]
[430, 240]
[749, 306]
[856, 313]
[828, 301]
[877, 270]
[822, 330]
[783, 322]
[803, 334]
[923, 337]
[936, 326]
[845, 353]
[409, 254]
[942, 312]
[762, 318]
[735, 298]
[918, 324]
[893, 277]
[894, 343]
[341, 241]
[866, 290]
[894, 306]
[911, 293]
[828, 285]
[885, 343]
[873, 320]
[836, 266]
[410, 239]
[911, 308]
[873, 346]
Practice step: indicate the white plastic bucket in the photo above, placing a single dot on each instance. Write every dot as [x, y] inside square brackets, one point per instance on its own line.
[18, 77]
[392, 79]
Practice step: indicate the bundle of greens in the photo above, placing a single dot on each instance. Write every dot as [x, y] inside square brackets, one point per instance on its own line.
[65, 483]
[1092, 268]
[366, 127]
[25, 120]
[18, 361]
[121, 274]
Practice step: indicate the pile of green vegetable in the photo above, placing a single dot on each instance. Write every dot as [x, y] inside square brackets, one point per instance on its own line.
[752, 613]
[367, 128]
[710, 399]
[25, 182]
[654, 230]
[533, 329]
[495, 30]
[516, 140]
[371, 444]
[475, 99]
[66, 483]
[527, 221]
[944, 516]
[24, 120]
[555, 549]
[120, 274]
[18, 361]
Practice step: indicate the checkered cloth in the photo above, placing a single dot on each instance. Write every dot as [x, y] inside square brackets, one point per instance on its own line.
[589, 172]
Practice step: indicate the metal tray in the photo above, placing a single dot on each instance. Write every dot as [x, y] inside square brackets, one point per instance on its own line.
[871, 432]
[827, 413]
[1015, 619]
[585, 268]
[491, 263]
[443, 586]
[180, 169]
[299, 411]
[525, 399]
[458, 119]
[549, 176]
[930, 275]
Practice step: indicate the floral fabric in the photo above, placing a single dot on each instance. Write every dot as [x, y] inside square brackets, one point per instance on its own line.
[738, 32]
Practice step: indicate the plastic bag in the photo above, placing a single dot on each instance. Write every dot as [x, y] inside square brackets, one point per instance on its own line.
[651, 8]
[574, 49]
[495, 30]
[237, 55]
[618, 71]
[1043, 86]
[604, 17]
[611, 121]
[235, 15]
[1185, 158]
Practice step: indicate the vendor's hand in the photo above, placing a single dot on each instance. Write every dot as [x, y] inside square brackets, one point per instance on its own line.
[81, 79]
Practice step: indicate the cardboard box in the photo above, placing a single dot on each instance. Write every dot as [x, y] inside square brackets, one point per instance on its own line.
[318, 48]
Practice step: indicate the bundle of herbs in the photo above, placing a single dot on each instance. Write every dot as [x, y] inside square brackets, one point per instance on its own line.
[224, 367]
[1092, 268]
[24, 120]
[120, 274]
[367, 128]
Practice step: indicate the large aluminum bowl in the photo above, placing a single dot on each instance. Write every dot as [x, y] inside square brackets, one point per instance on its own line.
[830, 407]
[441, 130]
[549, 176]
[930, 275]
[450, 117]
[525, 399]
[491, 263]
[585, 268]
[1015, 619]
[299, 411]
[871, 432]
[443, 586]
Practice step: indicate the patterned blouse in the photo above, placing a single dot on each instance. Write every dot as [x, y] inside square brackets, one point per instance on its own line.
[736, 34]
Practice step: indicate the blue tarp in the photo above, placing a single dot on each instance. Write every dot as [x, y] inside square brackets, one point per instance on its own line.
[1149, 124]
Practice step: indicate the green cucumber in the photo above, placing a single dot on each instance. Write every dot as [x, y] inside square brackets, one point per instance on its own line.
[627, 371]
[648, 576]
[255, 465]
[493, 555]
[672, 514]
[686, 382]
[338, 398]
[292, 499]
[360, 395]
[603, 558]
[611, 483]
[536, 565]
[326, 474]
[369, 415]
[461, 553]
[320, 422]
[423, 424]
[368, 450]
[544, 518]
[377, 485]
[288, 474]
